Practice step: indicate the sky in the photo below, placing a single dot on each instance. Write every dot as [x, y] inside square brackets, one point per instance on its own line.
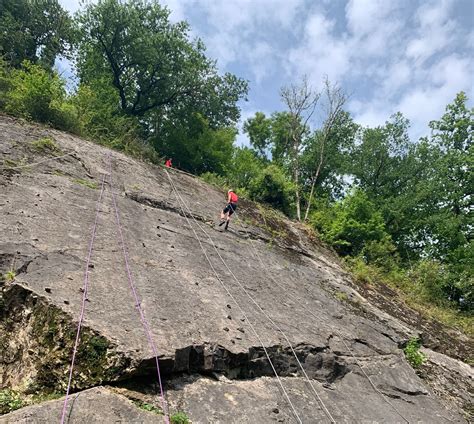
[389, 56]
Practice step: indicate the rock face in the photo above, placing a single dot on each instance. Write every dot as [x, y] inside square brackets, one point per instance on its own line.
[90, 406]
[216, 307]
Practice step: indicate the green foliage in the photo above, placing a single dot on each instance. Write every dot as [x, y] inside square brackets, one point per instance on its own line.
[341, 296]
[215, 180]
[154, 65]
[34, 30]
[198, 148]
[90, 184]
[354, 226]
[271, 186]
[9, 401]
[418, 286]
[46, 145]
[148, 407]
[9, 276]
[179, 418]
[259, 131]
[34, 93]
[413, 354]
[244, 167]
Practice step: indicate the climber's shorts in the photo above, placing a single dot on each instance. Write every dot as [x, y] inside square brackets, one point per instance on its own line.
[231, 207]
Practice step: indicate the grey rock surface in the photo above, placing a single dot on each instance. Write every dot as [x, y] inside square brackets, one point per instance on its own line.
[47, 212]
[96, 405]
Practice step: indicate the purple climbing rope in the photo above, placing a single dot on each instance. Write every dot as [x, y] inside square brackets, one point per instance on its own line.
[84, 298]
[135, 294]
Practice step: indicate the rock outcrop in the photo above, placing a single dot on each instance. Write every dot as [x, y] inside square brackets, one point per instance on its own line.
[271, 288]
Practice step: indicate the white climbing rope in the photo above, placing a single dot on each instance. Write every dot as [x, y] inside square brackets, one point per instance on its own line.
[178, 197]
[276, 326]
[302, 305]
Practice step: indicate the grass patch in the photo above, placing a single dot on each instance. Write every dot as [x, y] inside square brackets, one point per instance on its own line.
[10, 163]
[148, 407]
[412, 352]
[9, 276]
[90, 184]
[9, 401]
[342, 296]
[179, 418]
[412, 294]
[46, 145]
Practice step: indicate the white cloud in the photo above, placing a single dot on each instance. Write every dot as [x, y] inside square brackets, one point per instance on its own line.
[390, 56]
[435, 30]
[321, 52]
[232, 31]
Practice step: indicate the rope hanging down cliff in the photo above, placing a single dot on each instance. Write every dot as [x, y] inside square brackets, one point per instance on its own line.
[144, 321]
[278, 328]
[132, 288]
[305, 308]
[233, 299]
[84, 298]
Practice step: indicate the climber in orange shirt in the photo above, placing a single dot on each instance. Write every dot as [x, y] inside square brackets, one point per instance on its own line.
[230, 208]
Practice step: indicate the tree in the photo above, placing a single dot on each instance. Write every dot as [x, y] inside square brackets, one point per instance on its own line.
[34, 30]
[335, 99]
[259, 131]
[353, 225]
[37, 94]
[331, 179]
[301, 101]
[198, 148]
[152, 63]
[271, 186]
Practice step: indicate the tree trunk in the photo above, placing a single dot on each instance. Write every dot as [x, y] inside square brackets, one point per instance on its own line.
[315, 178]
[297, 192]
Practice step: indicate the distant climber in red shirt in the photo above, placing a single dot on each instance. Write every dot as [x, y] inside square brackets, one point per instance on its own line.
[230, 208]
[168, 163]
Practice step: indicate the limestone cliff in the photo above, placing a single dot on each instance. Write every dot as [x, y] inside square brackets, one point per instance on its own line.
[270, 288]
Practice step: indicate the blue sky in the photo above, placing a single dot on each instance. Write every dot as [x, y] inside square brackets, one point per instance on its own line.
[405, 55]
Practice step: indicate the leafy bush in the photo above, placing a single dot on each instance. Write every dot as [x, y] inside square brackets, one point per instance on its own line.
[9, 401]
[271, 186]
[46, 145]
[37, 94]
[413, 354]
[215, 179]
[354, 226]
[148, 407]
[9, 276]
[179, 418]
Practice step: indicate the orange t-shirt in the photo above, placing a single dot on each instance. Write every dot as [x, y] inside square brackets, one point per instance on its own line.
[233, 197]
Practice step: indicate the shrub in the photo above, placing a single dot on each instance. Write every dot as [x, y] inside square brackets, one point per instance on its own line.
[354, 224]
[9, 276]
[46, 145]
[148, 407]
[215, 180]
[179, 418]
[37, 94]
[271, 186]
[9, 401]
[413, 354]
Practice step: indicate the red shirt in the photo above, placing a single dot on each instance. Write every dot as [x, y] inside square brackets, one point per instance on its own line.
[233, 197]
[168, 163]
